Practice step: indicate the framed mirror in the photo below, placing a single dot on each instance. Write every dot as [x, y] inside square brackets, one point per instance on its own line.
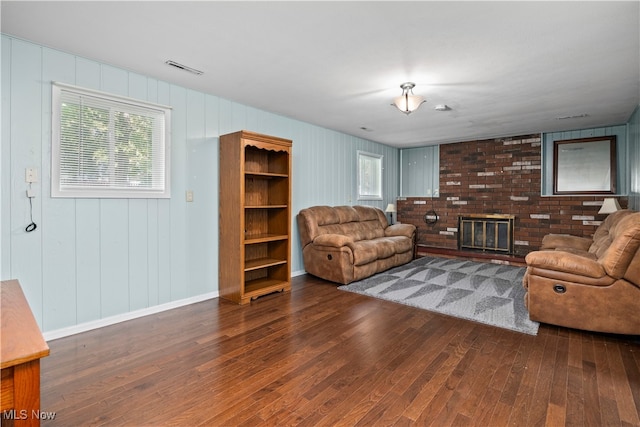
[585, 166]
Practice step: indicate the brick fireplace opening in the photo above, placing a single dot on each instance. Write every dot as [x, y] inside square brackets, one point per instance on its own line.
[486, 233]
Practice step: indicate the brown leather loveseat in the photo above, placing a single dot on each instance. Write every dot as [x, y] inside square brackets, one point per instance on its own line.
[348, 243]
[591, 284]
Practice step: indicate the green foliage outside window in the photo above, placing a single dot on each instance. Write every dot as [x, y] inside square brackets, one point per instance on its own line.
[104, 146]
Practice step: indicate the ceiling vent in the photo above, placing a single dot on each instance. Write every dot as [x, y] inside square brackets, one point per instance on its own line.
[576, 116]
[184, 67]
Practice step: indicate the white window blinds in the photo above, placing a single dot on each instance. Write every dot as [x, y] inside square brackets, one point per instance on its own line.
[108, 146]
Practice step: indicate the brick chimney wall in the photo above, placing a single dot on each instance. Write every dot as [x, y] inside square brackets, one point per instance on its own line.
[502, 176]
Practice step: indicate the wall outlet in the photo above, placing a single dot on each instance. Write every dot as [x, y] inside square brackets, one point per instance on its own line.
[31, 175]
[189, 195]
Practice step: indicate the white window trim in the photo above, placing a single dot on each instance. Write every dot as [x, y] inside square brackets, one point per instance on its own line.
[105, 192]
[373, 156]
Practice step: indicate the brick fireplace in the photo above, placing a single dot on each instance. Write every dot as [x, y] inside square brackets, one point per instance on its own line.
[498, 176]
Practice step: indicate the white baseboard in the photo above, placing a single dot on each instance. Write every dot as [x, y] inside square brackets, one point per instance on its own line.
[112, 320]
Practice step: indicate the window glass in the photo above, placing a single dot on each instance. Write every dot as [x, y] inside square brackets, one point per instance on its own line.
[108, 146]
[369, 176]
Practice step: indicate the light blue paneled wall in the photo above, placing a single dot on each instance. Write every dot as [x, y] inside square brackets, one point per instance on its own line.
[634, 159]
[622, 153]
[91, 259]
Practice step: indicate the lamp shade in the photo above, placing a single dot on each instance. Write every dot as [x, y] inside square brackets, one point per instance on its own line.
[408, 102]
[609, 205]
[390, 208]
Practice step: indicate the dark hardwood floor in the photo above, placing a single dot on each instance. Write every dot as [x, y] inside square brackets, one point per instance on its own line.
[322, 357]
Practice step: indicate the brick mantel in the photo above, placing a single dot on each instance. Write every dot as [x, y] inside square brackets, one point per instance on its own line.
[501, 176]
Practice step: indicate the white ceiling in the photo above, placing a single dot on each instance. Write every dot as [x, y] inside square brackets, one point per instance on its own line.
[504, 68]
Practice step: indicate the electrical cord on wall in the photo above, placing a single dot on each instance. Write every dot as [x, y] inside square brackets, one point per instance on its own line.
[32, 226]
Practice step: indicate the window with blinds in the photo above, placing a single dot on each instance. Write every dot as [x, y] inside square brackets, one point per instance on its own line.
[106, 146]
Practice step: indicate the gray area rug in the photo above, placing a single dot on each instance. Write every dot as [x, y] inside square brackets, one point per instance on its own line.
[478, 291]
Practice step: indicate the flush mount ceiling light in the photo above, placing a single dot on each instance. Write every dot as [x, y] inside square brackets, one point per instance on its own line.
[408, 102]
[183, 67]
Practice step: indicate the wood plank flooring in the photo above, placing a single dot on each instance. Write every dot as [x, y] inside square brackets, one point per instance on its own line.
[322, 357]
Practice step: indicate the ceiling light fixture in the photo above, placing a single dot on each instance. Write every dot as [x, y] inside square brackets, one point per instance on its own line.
[408, 102]
[183, 67]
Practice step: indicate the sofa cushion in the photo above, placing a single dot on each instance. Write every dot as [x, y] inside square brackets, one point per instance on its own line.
[625, 243]
[401, 244]
[368, 213]
[365, 230]
[364, 252]
[311, 219]
[604, 235]
[346, 214]
[385, 247]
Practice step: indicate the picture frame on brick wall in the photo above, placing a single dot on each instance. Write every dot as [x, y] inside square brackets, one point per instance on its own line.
[585, 166]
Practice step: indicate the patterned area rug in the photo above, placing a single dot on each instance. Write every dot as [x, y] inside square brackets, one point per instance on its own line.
[483, 292]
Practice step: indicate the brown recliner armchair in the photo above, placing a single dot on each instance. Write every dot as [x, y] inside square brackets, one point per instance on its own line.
[590, 284]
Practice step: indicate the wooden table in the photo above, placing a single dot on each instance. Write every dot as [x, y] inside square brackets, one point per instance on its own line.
[21, 347]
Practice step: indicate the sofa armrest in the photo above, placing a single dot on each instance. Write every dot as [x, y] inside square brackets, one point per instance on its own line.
[579, 252]
[566, 262]
[333, 240]
[400, 230]
[560, 241]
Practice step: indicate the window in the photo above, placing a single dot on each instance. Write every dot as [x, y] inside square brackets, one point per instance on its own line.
[107, 146]
[369, 176]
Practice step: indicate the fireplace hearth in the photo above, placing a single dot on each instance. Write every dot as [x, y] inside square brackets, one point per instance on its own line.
[486, 233]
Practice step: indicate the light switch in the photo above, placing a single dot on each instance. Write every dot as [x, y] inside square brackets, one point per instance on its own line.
[31, 175]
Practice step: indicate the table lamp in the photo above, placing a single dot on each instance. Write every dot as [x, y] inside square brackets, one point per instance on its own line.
[391, 208]
[609, 205]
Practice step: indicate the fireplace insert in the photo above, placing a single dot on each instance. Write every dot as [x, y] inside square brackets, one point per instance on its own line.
[486, 233]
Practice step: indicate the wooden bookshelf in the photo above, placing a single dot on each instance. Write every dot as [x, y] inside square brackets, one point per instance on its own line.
[255, 216]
